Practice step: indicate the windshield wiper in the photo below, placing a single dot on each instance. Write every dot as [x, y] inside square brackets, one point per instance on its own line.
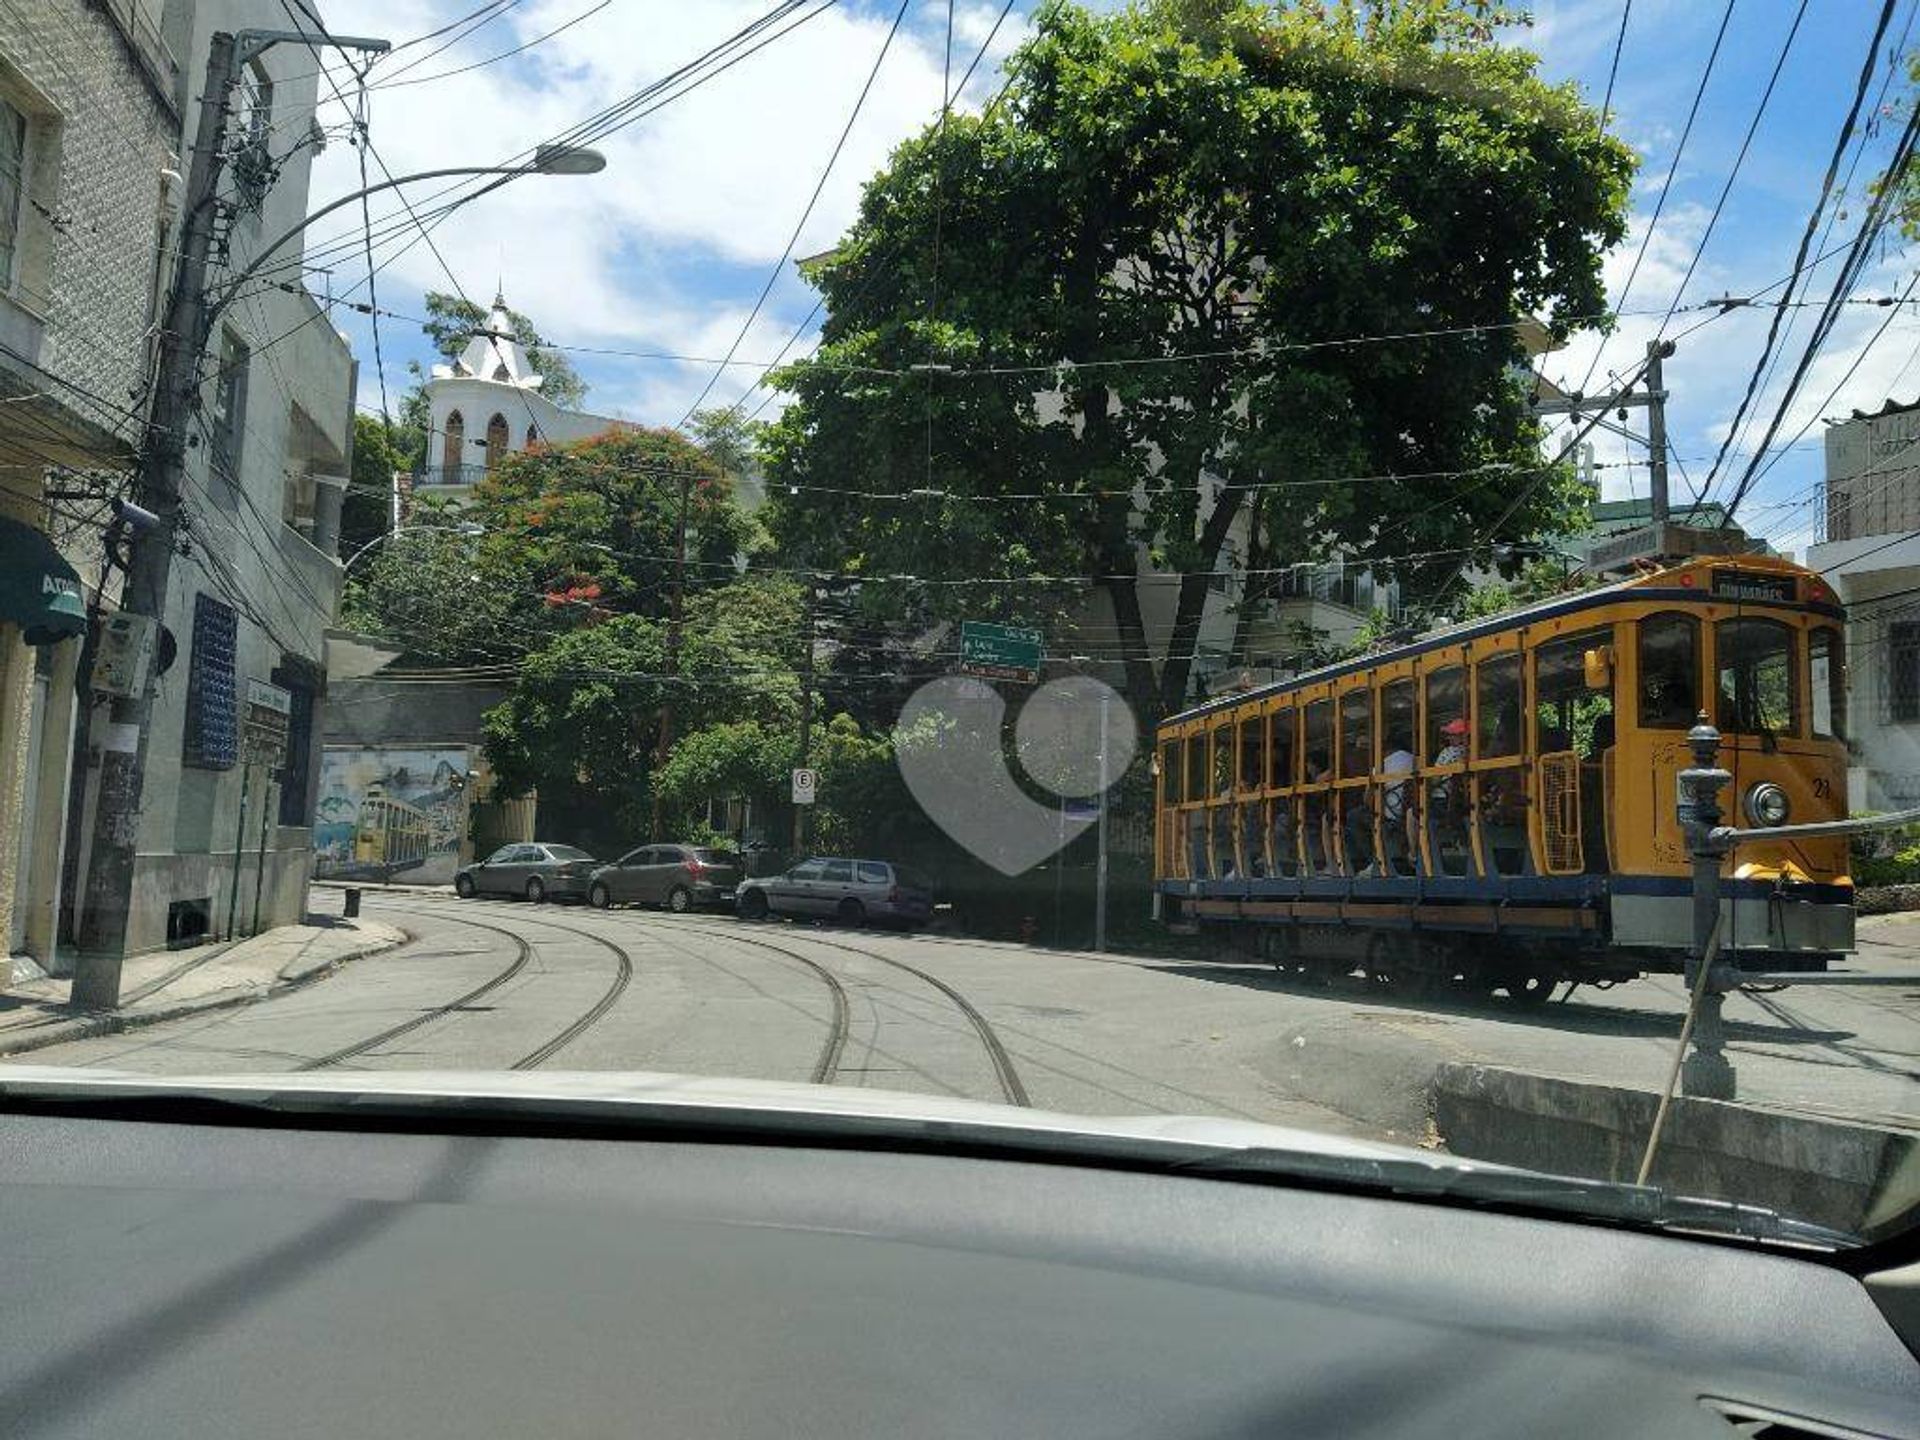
[1610, 1200]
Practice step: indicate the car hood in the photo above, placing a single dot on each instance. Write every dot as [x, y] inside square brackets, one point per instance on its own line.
[804, 1108]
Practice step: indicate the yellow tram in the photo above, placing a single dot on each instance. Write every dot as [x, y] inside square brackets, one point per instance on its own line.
[390, 835]
[1496, 801]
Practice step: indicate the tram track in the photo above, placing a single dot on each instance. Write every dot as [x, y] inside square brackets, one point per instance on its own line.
[1005, 1072]
[827, 1066]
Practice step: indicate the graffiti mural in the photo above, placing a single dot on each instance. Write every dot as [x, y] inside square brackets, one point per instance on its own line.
[391, 814]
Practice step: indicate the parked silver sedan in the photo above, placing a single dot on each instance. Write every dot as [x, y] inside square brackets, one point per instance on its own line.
[853, 892]
[535, 869]
[680, 877]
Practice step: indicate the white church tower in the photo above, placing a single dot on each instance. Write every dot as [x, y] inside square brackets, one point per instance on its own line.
[488, 404]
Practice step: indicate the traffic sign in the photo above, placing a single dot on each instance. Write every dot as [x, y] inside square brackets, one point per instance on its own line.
[1000, 652]
[806, 785]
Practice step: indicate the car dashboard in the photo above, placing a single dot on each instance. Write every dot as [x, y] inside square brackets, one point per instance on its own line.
[297, 1279]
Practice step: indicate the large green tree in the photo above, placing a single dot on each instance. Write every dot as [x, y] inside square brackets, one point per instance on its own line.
[554, 538]
[1203, 264]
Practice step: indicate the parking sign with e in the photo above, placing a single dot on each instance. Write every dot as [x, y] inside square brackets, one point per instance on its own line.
[805, 784]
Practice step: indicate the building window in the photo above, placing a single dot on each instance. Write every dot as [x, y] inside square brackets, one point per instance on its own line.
[253, 161]
[1903, 679]
[230, 407]
[212, 733]
[451, 454]
[497, 440]
[13, 189]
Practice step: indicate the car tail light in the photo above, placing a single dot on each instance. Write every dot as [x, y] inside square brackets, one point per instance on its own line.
[693, 868]
[893, 895]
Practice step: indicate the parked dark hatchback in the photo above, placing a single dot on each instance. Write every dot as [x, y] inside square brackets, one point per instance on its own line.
[680, 877]
[535, 869]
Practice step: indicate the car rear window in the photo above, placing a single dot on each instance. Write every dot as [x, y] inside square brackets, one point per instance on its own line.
[707, 856]
[913, 879]
[873, 874]
[567, 852]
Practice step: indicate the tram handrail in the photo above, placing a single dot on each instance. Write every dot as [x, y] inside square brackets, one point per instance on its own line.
[1728, 837]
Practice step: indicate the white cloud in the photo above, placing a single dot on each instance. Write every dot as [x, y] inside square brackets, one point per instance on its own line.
[718, 178]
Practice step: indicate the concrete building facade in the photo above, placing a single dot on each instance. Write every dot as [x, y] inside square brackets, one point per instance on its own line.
[89, 156]
[224, 834]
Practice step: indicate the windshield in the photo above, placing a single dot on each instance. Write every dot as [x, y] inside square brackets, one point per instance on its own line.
[1124, 557]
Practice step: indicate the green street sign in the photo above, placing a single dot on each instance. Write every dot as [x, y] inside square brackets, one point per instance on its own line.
[1000, 652]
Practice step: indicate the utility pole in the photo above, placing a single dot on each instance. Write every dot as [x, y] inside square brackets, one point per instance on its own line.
[101, 931]
[102, 937]
[1100, 867]
[806, 712]
[673, 653]
[1657, 350]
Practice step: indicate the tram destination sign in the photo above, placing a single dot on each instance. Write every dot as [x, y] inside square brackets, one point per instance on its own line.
[1000, 652]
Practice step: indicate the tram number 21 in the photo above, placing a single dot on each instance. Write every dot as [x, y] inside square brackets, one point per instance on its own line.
[1822, 788]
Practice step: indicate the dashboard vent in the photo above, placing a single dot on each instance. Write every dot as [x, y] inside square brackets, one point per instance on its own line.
[1756, 1422]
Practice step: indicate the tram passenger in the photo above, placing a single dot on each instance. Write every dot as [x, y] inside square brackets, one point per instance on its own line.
[1320, 836]
[1396, 807]
[1447, 796]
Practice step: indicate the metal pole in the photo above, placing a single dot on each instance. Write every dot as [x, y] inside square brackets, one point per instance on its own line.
[1100, 867]
[267, 798]
[1706, 1072]
[673, 655]
[1657, 350]
[806, 714]
[239, 850]
[106, 911]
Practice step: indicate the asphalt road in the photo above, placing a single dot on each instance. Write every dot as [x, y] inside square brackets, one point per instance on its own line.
[495, 985]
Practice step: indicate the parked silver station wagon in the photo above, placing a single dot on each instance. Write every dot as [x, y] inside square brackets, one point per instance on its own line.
[853, 892]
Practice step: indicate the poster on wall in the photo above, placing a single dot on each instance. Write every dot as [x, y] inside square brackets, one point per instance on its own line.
[391, 815]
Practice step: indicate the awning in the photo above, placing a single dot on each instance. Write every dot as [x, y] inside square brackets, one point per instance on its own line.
[39, 591]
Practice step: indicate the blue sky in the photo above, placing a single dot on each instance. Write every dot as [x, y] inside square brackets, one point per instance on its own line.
[666, 250]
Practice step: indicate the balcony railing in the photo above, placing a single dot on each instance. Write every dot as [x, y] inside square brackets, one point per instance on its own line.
[436, 475]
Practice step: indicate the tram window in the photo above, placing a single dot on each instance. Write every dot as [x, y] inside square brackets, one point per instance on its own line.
[1319, 742]
[1253, 754]
[1196, 786]
[1566, 714]
[1222, 761]
[1497, 683]
[1669, 671]
[1446, 705]
[1170, 776]
[1397, 718]
[1280, 730]
[1757, 690]
[1828, 693]
[1356, 733]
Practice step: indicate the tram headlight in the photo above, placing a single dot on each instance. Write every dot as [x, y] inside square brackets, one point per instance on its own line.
[1767, 804]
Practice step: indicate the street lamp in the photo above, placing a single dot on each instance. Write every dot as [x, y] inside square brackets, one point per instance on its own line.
[547, 160]
[465, 527]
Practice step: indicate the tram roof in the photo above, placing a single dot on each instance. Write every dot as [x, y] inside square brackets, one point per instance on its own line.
[1649, 585]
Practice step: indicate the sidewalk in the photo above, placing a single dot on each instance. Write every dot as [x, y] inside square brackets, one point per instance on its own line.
[170, 984]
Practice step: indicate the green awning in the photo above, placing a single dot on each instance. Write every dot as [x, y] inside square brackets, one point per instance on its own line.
[39, 591]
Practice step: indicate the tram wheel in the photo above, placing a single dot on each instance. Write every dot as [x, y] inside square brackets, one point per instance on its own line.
[1528, 989]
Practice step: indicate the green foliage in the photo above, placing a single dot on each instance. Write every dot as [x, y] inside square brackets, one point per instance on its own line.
[596, 523]
[1206, 192]
[733, 758]
[583, 719]
[426, 590]
[1536, 580]
[451, 323]
[1886, 857]
[378, 451]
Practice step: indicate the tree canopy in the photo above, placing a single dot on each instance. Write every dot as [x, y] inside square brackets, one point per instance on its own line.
[1213, 288]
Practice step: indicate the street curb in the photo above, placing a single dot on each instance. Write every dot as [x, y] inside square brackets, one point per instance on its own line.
[106, 1022]
[1830, 1171]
